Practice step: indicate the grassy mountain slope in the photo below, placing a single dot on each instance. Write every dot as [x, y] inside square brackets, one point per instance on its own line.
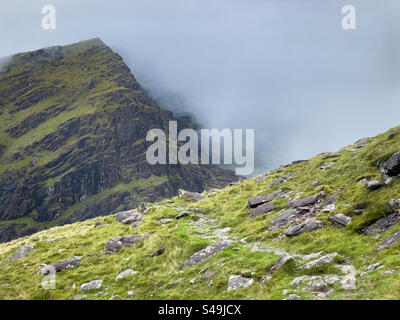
[254, 249]
[73, 124]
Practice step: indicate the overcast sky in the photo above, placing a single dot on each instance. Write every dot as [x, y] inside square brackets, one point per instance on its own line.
[285, 68]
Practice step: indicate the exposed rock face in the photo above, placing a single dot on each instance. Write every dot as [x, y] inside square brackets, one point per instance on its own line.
[283, 219]
[374, 185]
[192, 196]
[340, 220]
[392, 166]
[306, 226]
[117, 243]
[395, 204]
[207, 252]
[281, 262]
[383, 224]
[124, 274]
[264, 208]
[238, 282]
[59, 266]
[319, 262]
[304, 202]
[159, 252]
[128, 217]
[92, 285]
[395, 238]
[96, 116]
[280, 180]
[318, 285]
[258, 200]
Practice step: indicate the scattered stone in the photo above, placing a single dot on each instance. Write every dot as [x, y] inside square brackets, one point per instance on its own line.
[296, 281]
[132, 293]
[315, 182]
[222, 232]
[164, 220]
[395, 204]
[92, 285]
[192, 281]
[370, 268]
[117, 243]
[261, 178]
[281, 261]
[348, 282]
[58, 266]
[392, 166]
[236, 249]
[319, 262]
[124, 274]
[340, 220]
[395, 238]
[331, 279]
[330, 156]
[374, 185]
[181, 215]
[21, 253]
[207, 252]
[382, 224]
[174, 283]
[265, 279]
[80, 297]
[258, 200]
[358, 212]
[192, 196]
[236, 282]
[60, 250]
[208, 274]
[318, 285]
[128, 217]
[280, 180]
[304, 202]
[328, 165]
[102, 293]
[388, 272]
[329, 208]
[262, 209]
[157, 253]
[308, 225]
[283, 219]
[98, 223]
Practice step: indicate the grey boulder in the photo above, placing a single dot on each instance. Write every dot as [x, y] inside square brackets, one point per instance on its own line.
[117, 243]
[340, 220]
[306, 226]
[264, 208]
[283, 219]
[192, 196]
[92, 285]
[206, 253]
[304, 201]
[128, 217]
[21, 253]
[392, 166]
[395, 238]
[236, 282]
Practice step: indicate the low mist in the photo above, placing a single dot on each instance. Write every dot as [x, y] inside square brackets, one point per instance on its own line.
[284, 68]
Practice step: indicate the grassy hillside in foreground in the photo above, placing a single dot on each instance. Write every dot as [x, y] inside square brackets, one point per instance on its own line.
[254, 249]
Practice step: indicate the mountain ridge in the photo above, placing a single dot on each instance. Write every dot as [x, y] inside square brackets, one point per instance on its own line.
[72, 145]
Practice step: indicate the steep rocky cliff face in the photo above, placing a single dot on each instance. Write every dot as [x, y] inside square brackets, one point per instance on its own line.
[73, 124]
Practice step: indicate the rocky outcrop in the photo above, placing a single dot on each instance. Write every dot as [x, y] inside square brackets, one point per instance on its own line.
[206, 253]
[261, 199]
[117, 243]
[305, 226]
[382, 224]
[262, 209]
[393, 239]
[129, 217]
[340, 220]
[92, 285]
[236, 282]
[59, 266]
[192, 196]
[392, 166]
[310, 200]
[283, 219]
